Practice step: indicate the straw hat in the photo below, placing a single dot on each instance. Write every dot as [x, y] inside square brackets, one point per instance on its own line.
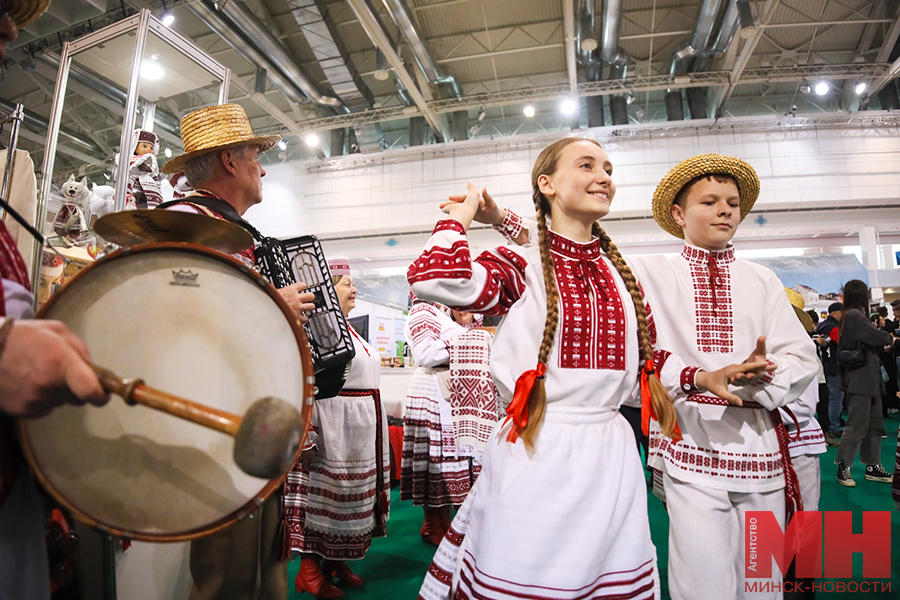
[25, 12]
[216, 128]
[798, 304]
[703, 164]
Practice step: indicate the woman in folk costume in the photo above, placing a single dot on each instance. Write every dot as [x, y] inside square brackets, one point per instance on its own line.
[435, 472]
[337, 495]
[560, 508]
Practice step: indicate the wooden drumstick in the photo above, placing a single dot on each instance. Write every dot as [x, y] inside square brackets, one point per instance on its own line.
[267, 437]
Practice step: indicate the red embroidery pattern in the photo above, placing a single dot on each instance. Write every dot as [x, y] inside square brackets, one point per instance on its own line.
[423, 324]
[688, 386]
[707, 461]
[510, 227]
[476, 583]
[592, 324]
[768, 376]
[812, 438]
[505, 281]
[12, 266]
[711, 275]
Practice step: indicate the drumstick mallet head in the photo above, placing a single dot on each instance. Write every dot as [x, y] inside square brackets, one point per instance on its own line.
[266, 438]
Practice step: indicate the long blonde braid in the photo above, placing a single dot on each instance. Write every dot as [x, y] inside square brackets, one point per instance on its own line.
[537, 400]
[659, 397]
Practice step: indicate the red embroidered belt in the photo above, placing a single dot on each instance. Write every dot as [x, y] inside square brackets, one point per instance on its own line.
[792, 500]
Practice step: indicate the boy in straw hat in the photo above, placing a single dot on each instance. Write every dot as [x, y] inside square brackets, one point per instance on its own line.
[713, 309]
[221, 162]
[42, 365]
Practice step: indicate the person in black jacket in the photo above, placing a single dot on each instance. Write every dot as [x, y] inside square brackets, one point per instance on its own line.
[863, 387]
[828, 351]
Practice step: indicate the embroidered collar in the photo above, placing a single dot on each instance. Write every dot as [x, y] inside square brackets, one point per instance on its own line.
[572, 249]
[699, 256]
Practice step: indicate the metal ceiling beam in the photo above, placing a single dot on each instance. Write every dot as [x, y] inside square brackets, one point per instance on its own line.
[890, 40]
[633, 84]
[569, 21]
[768, 12]
[63, 148]
[378, 36]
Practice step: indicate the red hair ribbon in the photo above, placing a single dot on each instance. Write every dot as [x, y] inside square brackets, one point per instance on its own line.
[647, 410]
[518, 408]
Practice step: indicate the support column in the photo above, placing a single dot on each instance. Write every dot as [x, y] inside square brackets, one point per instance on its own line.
[868, 245]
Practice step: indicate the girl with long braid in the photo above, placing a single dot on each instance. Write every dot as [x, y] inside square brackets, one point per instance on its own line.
[560, 508]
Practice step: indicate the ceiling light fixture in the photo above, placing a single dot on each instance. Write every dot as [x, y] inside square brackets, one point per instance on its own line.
[167, 18]
[152, 70]
[629, 99]
[528, 110]
[860, 87]
[804, 88]
[745, 15]
[283, 144]
[588, 44]
[168, 152]
[822, 88]
[481, 114]
[311, 140]
[569, 106]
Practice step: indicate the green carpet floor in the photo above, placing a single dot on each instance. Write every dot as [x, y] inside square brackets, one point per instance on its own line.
[395, 566]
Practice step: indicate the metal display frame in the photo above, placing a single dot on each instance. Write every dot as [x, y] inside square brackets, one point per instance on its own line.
[141, 24]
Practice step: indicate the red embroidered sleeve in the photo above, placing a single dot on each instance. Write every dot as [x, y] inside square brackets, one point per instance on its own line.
[445, 273]
[443, 262]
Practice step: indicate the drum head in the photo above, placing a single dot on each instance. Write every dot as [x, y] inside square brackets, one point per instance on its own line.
[190, 322]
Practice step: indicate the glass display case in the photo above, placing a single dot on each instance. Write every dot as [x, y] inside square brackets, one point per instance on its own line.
[136, 73]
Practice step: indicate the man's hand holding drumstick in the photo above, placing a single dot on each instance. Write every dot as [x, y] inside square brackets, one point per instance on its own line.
[44, 365]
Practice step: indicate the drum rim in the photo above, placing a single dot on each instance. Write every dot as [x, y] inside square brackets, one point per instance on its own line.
[306, 412]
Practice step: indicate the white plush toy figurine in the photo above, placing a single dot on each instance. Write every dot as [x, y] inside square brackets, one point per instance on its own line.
[75, 213]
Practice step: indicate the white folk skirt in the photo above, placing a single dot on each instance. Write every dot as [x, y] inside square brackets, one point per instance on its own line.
[431, 471]
[568, 522]
[339, 502]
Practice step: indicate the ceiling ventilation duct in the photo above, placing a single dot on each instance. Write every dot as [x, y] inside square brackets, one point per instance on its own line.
[401, 15]
[616, 57]
[587, 55]
[243, 32]
[699, 43]
[321, 34]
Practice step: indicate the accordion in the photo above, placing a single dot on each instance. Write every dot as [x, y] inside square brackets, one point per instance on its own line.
[285, 262]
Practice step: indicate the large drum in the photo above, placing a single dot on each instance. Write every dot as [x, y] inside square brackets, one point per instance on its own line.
[192, 322]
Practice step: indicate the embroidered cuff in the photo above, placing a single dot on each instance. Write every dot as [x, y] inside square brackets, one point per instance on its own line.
[688, 375]
[451, 224]
[510, 227]
[768, 376]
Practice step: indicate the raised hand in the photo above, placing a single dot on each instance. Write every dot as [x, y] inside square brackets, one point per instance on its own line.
[717, 381]
[488, 212]
[464, 211]
[758, 355]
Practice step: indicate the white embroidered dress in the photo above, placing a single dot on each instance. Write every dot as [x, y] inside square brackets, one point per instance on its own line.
[339, 502]
[570, 521]
[432, 472]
